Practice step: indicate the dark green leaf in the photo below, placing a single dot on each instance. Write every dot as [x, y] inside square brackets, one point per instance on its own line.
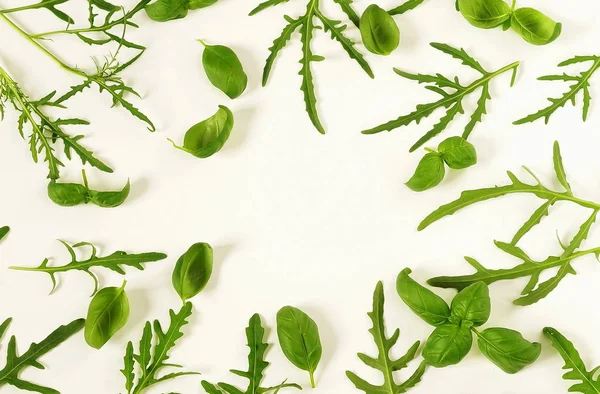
[166, 10]
[224, 69]
[193, 270]
[422, 301]
[3, 231]
[67, 194]
[110, 199]
[447, 345]
[107, 314]
[561, 174]
[472, 304]
[457, 153]
[485, 14]
[266, 4]
[429, 173]
[406, 6]
[508, 349]
[278, 44]
[379, 31]
[535, 27]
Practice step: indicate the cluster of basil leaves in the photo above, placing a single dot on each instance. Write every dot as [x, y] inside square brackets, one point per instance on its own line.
[455, 152]
[454, 325]
[380, 33]
[167, 10]
[535, 27]
[72, 194]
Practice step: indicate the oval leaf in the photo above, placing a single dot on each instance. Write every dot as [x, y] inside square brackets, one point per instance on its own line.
[193, 270]
[110, 199]
[166, 10]
[107, 314]
[67, 194]
[447, 345]
[485, 14]
[535, 27]
[379, 31]
[224, 69]
[299, 339]
[472, 304]
[458, 153]
[508, 349]
[208, 137]
[422, 301]
[429, 173]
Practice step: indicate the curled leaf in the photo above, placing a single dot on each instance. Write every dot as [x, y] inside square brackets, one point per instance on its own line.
[535, 27]
[429, 173]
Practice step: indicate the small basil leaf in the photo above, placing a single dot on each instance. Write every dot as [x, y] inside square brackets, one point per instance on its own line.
[208, 137]
[3, 231]
[508, 349]
[472, 304]
[67, 194]
[299, 339]
[195, 4]
[535, 27]
[458, 153]
[224, 69]
[107, 314]
[485, 14]
[429, 173]
[193, 270]
[422, 301]
[379, 31]
[110, 199]
[166, 10]
[447, 345]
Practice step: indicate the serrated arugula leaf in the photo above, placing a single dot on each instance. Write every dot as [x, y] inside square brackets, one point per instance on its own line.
[278, 44]
[113, 262]
[407, 6]
[382, 362]
[15, 364]
[256, 365]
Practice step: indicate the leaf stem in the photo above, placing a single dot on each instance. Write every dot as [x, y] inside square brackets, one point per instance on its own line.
[312, 379]
[30, 6]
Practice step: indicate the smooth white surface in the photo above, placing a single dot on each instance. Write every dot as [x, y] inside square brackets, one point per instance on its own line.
[296, 217]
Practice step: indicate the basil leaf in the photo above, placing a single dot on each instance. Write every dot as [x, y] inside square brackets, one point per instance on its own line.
[67, 194]
[110, 199]
[508, 349]
[458, 153]
[429, 173]
[195, 4]
[224, 69]
[535, 27]
[299, 339]
[208, 137]
[166, 10]
[107, 314]
[447, 345]
[379, 31]
[193, 270]
[422, 301]
[3, 231]
[472, 304]
[485, 14]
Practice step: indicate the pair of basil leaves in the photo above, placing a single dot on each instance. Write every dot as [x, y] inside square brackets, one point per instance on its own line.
[454, 325]
[72, 194]
[535, 27]
[167, 10]
[455, 152]
[379, 31]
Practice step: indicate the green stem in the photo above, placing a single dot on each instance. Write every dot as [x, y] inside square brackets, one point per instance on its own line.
[430, 150]
[30, 6]
[312, 379]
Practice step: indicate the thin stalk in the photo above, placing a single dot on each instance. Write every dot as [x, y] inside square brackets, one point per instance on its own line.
[30, 6]
[312, 379]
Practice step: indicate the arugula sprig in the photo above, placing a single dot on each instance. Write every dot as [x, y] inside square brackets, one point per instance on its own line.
[383, 363]
[15, 364]
[452, 91]
[580, 83]
[533, 291]
[45, 131]
[256, 366]
[113, 262]
[153, 355]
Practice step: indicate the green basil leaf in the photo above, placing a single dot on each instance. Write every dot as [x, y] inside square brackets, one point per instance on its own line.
[299, 339]
[447, 345]
[195, 4]
[485, 14]
[107, 314]
[379, 31]
[166, 10]
[3, 231]
[110, 199]
[224, 69]
[508, 349]
[208, 137]
[472, 304]
[422, 301]
[429, 173]
[458, 153]
[67, 194]
[535, 27]
[193, 270]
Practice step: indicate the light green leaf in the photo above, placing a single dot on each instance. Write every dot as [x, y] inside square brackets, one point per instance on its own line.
[429, 173]
[108, 313]
[535, 27]
[426, 304]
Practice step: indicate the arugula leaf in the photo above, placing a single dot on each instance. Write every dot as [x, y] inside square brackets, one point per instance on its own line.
[383, 363]
[581, 83]
[405, 7]
[587, 383]
[154, 349]
[113, 262]
[256, 365]
[15, 364]
[3, 231]
[451, 101]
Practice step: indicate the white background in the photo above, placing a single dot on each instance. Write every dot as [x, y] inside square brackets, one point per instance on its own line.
[296, 217]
